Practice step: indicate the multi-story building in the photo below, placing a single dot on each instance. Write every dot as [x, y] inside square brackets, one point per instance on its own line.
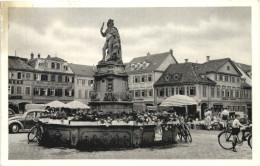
[143, 72]
[53, 80]
[83, 84]
[214, 84]
[20, 76]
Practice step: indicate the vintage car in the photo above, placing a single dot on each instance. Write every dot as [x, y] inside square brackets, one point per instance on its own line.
[24, 121]
[11, 113]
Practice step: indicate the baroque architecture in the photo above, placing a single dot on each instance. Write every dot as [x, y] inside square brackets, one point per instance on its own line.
[143, 73]
[214, 84]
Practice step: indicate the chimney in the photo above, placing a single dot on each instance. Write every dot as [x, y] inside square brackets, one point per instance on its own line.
[171, 52]
[32, 55]
[148, 54]
[208, 58]
[39, 55]
[186, 60]
[48, 56]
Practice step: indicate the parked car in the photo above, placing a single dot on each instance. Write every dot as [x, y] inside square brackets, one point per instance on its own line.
[24, 121]
[11, 113]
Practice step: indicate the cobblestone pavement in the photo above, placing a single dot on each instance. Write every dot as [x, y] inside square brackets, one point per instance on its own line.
[204, 146]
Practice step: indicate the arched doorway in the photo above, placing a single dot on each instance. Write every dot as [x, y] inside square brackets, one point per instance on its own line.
[204, 106]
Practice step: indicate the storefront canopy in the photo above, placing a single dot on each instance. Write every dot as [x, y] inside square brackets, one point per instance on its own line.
[178, 101]
[76, 104]
[56, 104]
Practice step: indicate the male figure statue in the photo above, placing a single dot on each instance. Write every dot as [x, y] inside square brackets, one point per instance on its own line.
[112, 39]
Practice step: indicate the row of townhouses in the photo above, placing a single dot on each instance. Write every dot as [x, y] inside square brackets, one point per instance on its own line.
[214, 84]
[41, 80]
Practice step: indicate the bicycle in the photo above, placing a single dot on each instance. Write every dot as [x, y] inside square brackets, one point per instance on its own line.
[35, 132]
[225, 138]
[184, 132]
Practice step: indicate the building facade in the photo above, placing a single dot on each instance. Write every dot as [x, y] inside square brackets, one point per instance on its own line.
[20, 82]
[214, 84]
[143, 72]
[52, 80]
[84, 81]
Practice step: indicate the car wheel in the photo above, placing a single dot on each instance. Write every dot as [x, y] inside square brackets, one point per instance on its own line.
[14, 128]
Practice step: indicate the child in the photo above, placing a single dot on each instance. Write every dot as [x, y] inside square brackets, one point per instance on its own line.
[235, 131]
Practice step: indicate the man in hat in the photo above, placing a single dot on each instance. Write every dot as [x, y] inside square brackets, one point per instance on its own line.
[112, 37]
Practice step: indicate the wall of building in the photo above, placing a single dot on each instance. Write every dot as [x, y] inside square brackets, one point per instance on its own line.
[85, 89]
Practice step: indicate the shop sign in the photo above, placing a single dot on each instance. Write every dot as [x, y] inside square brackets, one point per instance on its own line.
[15, 97]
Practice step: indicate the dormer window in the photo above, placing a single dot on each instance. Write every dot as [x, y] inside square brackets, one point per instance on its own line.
[138, 67]
[65, 68]
[53, 65]
[144, 65]
[58, 66]
[132, 66]
[167, 77]
[177, 76]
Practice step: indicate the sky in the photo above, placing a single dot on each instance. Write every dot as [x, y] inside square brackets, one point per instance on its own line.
[73, 34]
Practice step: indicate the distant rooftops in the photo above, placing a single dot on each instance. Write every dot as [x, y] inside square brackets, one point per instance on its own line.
[82, 70]
[18, 63]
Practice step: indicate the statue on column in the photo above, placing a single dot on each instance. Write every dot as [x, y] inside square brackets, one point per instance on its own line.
[112, 47]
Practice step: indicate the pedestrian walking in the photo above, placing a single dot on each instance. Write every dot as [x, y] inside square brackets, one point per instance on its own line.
[208, 119]
[224, 117]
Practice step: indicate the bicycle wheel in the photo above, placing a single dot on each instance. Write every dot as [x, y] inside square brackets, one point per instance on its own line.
[38, 134]
[249, 141]
[32, 134]
[225, 140]
[189, 137]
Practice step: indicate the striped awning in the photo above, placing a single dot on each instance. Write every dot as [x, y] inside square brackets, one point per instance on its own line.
[178, 101]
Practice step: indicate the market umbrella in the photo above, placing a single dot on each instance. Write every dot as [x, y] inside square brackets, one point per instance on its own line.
[76, 104]
[178, 101]
[56, 104]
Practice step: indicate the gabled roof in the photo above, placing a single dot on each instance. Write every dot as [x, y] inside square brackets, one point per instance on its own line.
[17, 63]
[154, 61]
[55, 59]
[215, 65]
[186, 73]
[82, 70]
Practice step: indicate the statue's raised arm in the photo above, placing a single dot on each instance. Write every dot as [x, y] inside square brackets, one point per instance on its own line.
[112, 47]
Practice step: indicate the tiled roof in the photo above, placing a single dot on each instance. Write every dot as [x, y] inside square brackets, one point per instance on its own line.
[32, 62]
[18, 64]
[155, 61]
[82, 70]
[183, 73]
[55, 59]
[244, 67]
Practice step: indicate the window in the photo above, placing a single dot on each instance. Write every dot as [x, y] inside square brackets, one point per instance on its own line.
[19, 90]
[181, 91]
[58, 92]
[28, 90]
[144, 78]
[238, 93]
[238, 80]
[53, 65]
[149, 78]
[192, 91]
[83, 82]
[44, 77]
[68, 92]
[9, 75]
[233, 79]
[216, 77]
[228, 91]
[58, 66]
[233, 92]
[37, 77]
[137, 93]
[166, 92]
[28, 76]
[37, 91]
[86, 94]
[65, 68]
[67, 79]
[204, 91]
[52, 92]
[53, 78]
[226, 78]
[144, 93]
[228, 67]
[161, 92]
[177, 91]
[172, 91]
[218, 91]
[11, 90]
[137, 79]
[249, 94]
[79, 95]
[221, 77]
[223, 91]
[19, 75]
[132, 66]
[212, 91]
[150, 92]
[79, 82]
[44, 92]
[60, 78]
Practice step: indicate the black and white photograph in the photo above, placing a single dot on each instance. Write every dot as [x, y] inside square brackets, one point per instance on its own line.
[129, 82]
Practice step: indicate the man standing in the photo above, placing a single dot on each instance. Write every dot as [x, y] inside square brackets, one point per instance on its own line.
[224, 117]
[235, 131]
